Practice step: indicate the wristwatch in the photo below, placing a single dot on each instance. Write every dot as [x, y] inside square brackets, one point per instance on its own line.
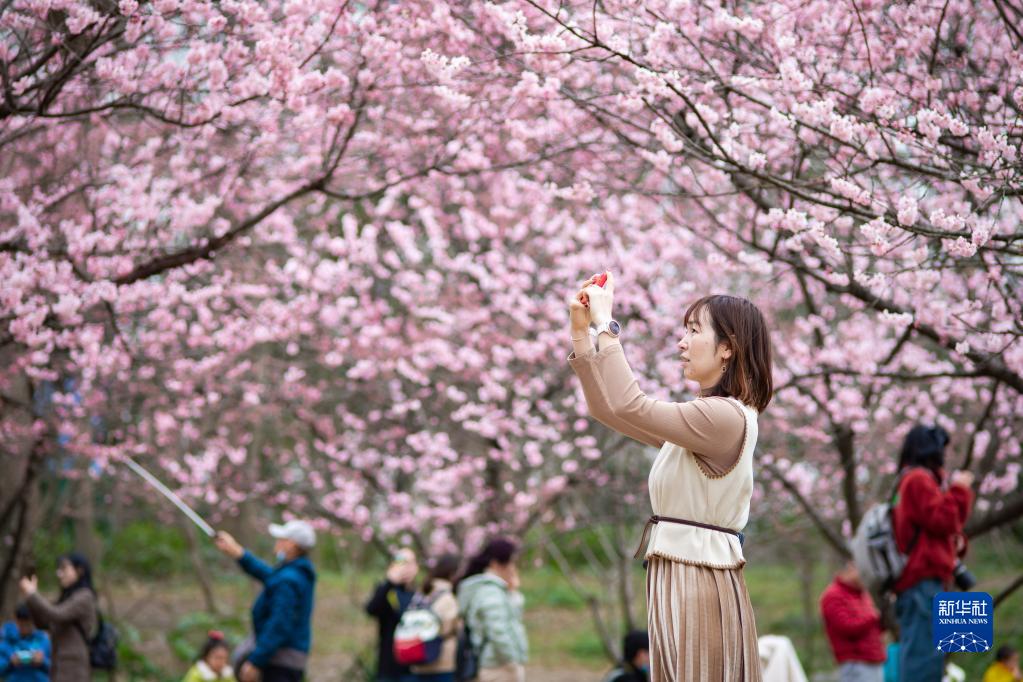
[612, 328]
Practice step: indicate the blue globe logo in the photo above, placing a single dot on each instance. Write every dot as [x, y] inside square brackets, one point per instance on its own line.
[963, 641]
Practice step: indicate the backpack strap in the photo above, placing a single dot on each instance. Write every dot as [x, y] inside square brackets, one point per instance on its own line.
[419, 601]
[81, 629]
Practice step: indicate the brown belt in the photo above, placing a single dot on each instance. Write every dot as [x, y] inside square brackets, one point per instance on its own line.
[655, 519]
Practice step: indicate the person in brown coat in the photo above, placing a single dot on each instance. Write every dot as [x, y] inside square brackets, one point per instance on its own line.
[72, 620]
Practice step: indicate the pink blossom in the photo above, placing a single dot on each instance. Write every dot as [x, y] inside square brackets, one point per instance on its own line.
[908, 211]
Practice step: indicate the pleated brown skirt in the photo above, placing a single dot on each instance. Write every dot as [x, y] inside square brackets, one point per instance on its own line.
[701, 624]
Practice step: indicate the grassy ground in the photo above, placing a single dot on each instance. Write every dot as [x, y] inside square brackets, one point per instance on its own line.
[159, 607]
[166, 620]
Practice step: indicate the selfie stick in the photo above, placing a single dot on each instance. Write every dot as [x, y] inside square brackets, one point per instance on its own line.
[169, 494]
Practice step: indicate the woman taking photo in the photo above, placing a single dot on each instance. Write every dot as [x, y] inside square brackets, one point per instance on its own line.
[71, 621]
[700, 619]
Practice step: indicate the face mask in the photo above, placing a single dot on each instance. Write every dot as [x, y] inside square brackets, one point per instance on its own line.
[281, 556]
[645, 668]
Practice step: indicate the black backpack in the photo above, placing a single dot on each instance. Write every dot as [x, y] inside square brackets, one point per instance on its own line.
[102, 647]
[467, 659]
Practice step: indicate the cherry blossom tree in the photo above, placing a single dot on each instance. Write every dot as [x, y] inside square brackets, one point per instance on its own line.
[861, 167]
[276, 250]
[315, 255]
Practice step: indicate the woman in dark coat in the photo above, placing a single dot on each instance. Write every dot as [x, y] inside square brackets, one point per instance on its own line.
[72, 620]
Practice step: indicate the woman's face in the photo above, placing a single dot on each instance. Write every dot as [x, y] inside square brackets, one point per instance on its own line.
[508, 572]
[702, 355]
[67, 574]
[217, 659]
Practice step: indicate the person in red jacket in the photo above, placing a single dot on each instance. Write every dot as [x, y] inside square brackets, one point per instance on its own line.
[928, 517]
[853, 626]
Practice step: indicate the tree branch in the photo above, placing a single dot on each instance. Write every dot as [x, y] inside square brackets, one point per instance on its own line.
[1011, 511]
[1013, 586]
[833, 537]
[208, 250]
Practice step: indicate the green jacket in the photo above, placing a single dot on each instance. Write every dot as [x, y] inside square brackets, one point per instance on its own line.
[200, 672]
[494, 616]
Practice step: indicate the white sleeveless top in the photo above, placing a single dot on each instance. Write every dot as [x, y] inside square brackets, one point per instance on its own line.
[681, 489]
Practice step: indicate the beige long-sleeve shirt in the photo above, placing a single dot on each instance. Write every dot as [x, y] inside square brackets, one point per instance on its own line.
[703, 471]
[710, 428]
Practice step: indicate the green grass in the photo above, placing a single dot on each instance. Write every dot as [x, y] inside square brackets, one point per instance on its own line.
[159, 607]
[560, 629]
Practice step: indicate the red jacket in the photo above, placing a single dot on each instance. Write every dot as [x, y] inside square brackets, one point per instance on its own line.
[935, 517]
[853, 623]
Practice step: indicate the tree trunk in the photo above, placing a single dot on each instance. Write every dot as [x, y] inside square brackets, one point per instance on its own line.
[608, 642]
[19, 520]
[19, 497]
[202, 571]
[84, 517]
[845, 443]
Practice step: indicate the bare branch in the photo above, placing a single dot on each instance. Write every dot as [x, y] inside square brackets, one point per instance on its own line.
[833, 537]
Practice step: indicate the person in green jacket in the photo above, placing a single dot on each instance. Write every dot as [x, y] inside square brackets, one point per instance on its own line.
[212, 664]
[491, 606]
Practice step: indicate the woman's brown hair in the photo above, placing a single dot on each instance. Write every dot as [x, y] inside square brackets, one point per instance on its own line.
[740, 325]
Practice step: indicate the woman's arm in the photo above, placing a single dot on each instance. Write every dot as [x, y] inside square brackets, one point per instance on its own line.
[712, 427]
[581, 361]
[596, 400]
[380, 605]
[76, 608]
[936, 511]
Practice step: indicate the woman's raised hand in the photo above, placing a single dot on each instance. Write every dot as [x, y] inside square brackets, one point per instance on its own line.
[600, 299]
[578, 314]
[578, 309]
[29, 585]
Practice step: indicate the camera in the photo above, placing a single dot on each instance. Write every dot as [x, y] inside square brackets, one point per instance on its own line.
[24, 656]
[964, 578]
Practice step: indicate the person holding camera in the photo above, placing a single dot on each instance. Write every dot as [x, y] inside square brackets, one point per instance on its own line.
[699, 616]
[72, 619]
[928, 517]
[24, 650]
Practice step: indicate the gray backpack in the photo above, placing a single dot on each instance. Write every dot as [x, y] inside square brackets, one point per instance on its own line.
[875, 552]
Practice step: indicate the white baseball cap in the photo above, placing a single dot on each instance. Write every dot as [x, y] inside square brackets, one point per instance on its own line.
[299, 532]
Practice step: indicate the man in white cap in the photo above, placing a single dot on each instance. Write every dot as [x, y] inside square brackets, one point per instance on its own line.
[278, 649]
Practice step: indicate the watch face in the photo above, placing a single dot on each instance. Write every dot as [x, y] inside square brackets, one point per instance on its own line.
[614, 327]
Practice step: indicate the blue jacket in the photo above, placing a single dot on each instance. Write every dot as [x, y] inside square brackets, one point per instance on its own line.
[283, 613]
[12, 641]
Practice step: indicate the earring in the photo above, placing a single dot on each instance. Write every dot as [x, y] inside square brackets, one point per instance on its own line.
[724, 366]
